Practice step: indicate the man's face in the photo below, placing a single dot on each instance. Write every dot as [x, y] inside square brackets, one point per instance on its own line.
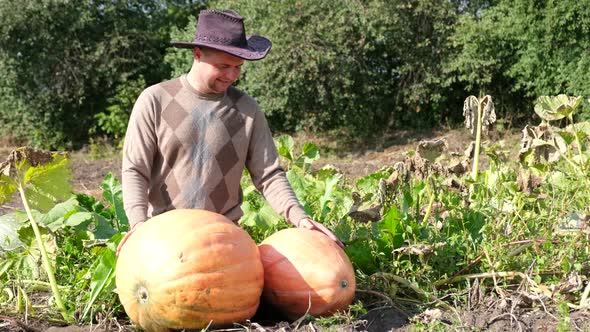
[217, 70]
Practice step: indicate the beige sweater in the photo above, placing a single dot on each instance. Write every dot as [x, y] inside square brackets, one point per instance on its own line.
[185, 149]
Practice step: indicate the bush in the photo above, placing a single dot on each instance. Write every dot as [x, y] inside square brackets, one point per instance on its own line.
[335, 64]
[66, 60]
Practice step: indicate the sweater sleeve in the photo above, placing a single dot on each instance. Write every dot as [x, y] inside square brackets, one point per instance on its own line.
[267, 174]
[138, 154]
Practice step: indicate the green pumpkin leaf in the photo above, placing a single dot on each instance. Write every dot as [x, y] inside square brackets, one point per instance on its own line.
[7, 188]
[285, 147]
[113, 194]
[297, 183]
[567, 136]
[360, 253]
[582, 129]
[10, 223]
[55, 218]
[391, 228]
[79, 218]
[44, 176]
[310, 151]
[103, 230]
[330, 184]
[48, 183]
[558, 107]
[102, 278]
[264, 219]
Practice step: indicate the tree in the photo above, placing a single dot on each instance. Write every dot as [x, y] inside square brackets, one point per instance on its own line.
[65, 61]
[342, 64]
[520, 50]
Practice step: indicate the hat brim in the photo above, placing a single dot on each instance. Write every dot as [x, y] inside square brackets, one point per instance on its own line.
[258, 47]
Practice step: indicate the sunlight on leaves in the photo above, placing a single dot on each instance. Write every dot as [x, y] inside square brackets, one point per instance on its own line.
[285, 145]
[45, 177]
[10, 223]
[551, 108]
[113, 195]
[55, 218]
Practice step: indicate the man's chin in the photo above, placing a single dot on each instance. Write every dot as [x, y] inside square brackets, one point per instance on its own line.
[220, 88]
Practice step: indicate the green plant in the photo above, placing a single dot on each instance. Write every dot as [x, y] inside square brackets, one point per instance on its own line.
[41, 179]
[80, 236]
[113, 121]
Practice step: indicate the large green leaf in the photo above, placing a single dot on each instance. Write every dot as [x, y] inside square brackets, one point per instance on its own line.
[264, 218]
[79, 218]
[328, 195]
[298, 183]
[558, 107]
[55, 218]
[310, 152]
[7, 188]
[391, 228]
[360, 253]
[113, 194]
[10, 223]
[102, 275]
[33, 252]
[44, 176]
[285, 145]
[103, 229]
[48, 183]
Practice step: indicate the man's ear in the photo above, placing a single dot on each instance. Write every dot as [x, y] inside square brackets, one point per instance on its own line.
[197, 53]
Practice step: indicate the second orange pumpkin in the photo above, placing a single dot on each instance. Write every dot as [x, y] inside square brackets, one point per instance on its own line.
[306, 272]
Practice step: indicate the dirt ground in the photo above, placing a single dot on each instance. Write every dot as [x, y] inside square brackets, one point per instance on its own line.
[353, 160]
[489, 317]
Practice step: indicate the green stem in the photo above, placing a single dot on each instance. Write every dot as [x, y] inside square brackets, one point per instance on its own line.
[45, 258]
[577, 141]
[431, 197]
[573, 164]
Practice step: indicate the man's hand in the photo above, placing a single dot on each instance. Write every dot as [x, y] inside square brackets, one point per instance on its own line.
[124, 239]
[316, 226]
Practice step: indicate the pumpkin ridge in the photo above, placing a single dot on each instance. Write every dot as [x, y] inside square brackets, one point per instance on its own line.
[204, 276]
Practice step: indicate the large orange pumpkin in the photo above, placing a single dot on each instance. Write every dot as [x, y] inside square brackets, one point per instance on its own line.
[186, 269]
[306, 272]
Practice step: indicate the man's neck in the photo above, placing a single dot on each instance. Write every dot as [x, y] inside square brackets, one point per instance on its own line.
[193, 80]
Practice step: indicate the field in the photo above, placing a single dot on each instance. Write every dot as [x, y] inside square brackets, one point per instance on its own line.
[435, 248]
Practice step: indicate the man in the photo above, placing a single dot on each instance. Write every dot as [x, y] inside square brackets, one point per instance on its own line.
[190, 138]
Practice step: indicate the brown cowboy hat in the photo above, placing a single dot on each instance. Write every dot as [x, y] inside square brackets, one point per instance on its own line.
[223, 30]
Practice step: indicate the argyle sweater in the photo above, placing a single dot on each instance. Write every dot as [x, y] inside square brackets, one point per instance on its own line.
[185, 149]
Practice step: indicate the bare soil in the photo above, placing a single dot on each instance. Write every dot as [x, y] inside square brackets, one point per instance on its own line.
[354, 160]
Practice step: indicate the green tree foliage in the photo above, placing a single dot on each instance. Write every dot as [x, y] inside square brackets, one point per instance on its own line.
[64, 61]
[519, 50]
[358, 65]
[362, 65]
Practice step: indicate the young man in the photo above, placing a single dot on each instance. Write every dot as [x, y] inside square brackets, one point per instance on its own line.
[190, 138]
